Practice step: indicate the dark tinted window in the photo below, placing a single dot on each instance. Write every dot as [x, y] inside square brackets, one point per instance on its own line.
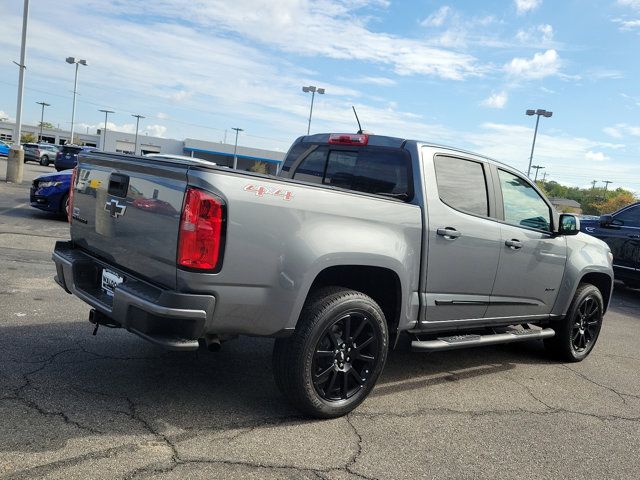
[462, 185]
[631, 216]
[381, 171]
[293, 155]
[523, 206]
[311, 169]
[72, 150]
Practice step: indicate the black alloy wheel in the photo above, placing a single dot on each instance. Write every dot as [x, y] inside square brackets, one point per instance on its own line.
[333, 359]
[345, 356]
[577, 333]
[586, 325]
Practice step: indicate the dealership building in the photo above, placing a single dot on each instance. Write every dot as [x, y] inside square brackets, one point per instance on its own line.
[218, 152]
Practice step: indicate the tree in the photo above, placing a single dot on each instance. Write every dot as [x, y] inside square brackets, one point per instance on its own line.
[45, 124]
[620, 199]
[259, 167]
[28, 137]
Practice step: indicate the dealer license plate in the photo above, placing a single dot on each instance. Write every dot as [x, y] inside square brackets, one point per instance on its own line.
[110, 280]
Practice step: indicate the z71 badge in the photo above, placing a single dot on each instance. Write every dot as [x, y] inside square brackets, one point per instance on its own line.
[261, 191]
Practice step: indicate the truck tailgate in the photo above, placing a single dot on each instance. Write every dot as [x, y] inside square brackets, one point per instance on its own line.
[126, 210]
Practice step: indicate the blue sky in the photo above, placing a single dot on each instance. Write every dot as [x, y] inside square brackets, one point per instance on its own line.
[458, 73]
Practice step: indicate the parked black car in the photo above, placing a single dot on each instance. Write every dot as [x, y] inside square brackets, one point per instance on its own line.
[68, 156]
[621, 231]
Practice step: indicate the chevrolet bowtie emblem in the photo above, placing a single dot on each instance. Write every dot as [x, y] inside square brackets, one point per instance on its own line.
[115, 208]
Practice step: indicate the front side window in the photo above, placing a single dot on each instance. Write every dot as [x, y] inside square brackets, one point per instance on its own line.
[630, 217]
[523, 206]
[462, 185]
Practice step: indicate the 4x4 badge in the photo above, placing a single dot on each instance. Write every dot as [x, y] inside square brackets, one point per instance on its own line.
[115, 208]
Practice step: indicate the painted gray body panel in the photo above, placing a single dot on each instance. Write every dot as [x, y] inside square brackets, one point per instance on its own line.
[280, 240]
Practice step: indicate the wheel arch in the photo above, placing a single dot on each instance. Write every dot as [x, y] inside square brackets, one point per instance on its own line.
[602, 282]
[382, 284]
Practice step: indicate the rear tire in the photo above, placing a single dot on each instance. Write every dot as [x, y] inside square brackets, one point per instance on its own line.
[578, 332]
[335, 356]
[44, 161]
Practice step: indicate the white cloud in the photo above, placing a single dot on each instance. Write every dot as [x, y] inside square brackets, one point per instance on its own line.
[540, 66]
[621, 129]
[180, 95]
[524, 6]
[630, 3]
[381, 81]
[496, 100]
[154, 130]
[162, 115]
[596, 156]
[626, 25]
[5, 115]
[437, 18]
[541, 35]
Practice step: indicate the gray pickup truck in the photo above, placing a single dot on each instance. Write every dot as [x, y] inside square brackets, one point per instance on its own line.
[357, 239]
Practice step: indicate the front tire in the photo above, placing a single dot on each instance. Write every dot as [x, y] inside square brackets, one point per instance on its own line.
[335, 356]
[44, 161]
[578, 332]
[64, 206]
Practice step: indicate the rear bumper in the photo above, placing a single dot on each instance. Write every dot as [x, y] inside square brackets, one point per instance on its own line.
[143, 308]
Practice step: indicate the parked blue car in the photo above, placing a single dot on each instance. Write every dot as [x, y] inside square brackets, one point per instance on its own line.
[4, 149]
[67, 157]
[50, 192]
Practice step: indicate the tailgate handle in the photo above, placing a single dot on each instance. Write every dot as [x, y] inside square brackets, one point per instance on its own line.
[118, 185]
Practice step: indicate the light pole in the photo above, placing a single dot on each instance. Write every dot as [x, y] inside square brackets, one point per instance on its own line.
[135, 148]
[538, 112]
[313, 91]
[72, 61]
[44, 104]
[15, 161]
[104, 136]
[537, 167]
[235, 148]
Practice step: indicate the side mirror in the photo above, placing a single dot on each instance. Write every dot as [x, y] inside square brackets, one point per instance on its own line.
[605, 220]
[569, 224]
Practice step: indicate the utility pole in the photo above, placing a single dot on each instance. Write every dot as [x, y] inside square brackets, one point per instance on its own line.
[544, 177]
[135, 148]
[606, 184]
[593, 184]
[15, 162]
[537, 167]
[235, 148]
[44, 104]
[104, 136]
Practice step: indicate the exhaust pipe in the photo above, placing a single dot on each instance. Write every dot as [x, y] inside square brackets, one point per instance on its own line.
[212, 342]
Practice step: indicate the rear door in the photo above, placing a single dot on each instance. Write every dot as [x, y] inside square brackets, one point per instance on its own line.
[532, 258]
[463, 239]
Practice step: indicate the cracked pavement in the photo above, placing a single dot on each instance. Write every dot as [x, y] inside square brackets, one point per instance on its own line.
[112, 406]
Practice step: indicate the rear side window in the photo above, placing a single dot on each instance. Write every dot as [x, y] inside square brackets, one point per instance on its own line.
[293, 155]
[380, 171]
[72, 150]
[462, 185]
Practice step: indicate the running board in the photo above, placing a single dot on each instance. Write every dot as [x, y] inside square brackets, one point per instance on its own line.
[169, 342]
[462, 341]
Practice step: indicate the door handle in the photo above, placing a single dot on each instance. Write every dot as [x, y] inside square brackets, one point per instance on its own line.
[513, 244]
[633, 236]
[449, 233]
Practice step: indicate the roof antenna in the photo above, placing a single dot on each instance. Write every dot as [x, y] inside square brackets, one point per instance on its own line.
[357, 119]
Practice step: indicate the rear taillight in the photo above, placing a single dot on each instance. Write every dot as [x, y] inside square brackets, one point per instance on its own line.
[71, 188]
[348, 139]
[201, 231]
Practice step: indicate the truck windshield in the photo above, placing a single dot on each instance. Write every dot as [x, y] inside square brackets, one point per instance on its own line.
[376, 170]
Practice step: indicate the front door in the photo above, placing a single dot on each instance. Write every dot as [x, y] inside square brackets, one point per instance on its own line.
[463, 241]
[532, 258]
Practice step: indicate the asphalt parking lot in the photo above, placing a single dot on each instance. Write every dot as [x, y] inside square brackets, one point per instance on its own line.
[73, 405]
